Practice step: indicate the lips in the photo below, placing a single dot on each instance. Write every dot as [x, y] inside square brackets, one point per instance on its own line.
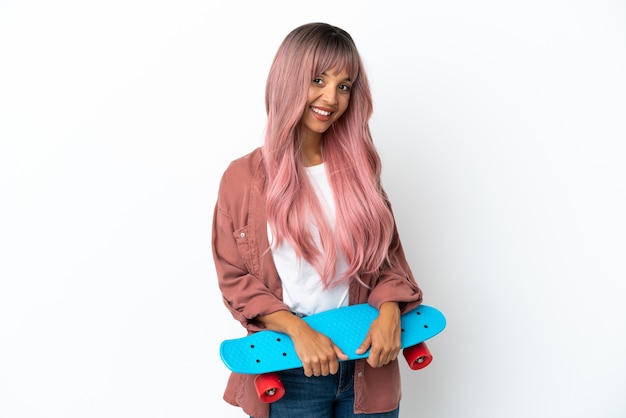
[320, 111]
[322, 114]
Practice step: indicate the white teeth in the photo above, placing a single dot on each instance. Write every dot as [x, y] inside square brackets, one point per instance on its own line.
[320, 112]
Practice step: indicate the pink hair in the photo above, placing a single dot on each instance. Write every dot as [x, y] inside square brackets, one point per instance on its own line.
[364, 222]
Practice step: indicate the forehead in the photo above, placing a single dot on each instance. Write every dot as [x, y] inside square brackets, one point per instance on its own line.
[339, 73]
[335, 63]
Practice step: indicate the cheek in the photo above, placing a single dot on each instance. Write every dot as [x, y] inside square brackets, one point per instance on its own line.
[343, 106]
[311, 96]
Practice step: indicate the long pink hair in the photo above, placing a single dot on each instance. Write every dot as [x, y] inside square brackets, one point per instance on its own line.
[364, 222]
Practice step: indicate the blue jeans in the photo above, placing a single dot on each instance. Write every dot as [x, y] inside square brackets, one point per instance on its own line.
[329, 396]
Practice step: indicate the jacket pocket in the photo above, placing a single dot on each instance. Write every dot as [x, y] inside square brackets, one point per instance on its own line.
[243, 239]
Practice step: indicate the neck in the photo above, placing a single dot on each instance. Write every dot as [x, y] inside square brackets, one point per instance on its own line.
[312, 150]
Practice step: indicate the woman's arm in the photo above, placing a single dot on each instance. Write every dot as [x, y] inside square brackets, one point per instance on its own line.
[247, 289]
[395, 281]
[395, 291]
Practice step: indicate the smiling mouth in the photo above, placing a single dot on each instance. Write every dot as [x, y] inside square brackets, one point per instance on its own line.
[320, 111]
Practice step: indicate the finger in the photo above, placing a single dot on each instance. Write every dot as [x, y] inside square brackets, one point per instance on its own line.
[388, 359]
[313, 371]
[389, 356]
[339, 353]
[310, 367]
[325, 368]
[374, 359]
[372, 362]
[367, 342]
[333, 367]
[384, 358]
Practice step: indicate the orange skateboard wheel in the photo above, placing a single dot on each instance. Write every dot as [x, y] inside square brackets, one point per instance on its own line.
[269, 387]
[417, 356]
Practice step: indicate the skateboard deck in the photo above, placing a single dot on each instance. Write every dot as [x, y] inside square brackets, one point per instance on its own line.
[269, 351]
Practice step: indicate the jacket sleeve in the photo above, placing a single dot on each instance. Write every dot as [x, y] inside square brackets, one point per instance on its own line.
[395, 281]
[244, 291]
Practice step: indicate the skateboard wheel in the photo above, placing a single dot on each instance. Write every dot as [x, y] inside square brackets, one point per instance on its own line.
[269, 387]
[417, 356]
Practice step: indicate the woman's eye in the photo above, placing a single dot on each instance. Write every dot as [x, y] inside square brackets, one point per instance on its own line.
[317, 80]
[344, 87]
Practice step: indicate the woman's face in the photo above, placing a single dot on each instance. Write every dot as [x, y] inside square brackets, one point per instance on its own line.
[329, 96]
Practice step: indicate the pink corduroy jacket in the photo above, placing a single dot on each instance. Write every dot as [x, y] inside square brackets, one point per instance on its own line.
[251, 286]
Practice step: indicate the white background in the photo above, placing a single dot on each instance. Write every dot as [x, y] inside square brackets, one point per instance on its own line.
[501, 126]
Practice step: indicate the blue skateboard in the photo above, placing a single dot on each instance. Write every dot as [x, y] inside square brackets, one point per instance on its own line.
[266, 352]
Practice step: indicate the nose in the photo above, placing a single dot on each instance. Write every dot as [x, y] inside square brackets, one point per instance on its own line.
[329, 95]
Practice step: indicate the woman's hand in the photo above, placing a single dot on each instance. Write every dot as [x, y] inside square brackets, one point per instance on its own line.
[383, 337]
[318, 354]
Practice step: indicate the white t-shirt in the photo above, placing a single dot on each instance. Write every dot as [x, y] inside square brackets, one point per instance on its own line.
[303, 290]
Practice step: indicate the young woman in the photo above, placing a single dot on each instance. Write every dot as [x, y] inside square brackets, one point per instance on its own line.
[302, 225]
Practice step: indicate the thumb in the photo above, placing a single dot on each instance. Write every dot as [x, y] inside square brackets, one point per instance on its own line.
[365, 345]
[340, 354]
